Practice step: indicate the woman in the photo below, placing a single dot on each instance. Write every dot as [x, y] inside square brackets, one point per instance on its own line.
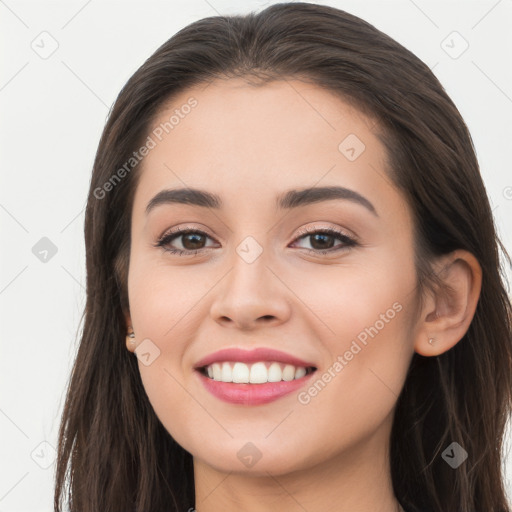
[294, 297]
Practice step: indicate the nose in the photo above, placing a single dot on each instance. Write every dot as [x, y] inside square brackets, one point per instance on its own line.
[251, 296]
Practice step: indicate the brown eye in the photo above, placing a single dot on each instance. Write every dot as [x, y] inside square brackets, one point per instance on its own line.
[322, 241]
[191, 240]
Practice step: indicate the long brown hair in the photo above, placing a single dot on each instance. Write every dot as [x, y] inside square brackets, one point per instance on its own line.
[114, 454]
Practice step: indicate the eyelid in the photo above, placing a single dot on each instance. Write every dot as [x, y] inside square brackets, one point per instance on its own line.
[301, 232]
[184, 229]
[315, 229]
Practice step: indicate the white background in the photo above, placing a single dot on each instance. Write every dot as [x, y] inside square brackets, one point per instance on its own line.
[53, 111]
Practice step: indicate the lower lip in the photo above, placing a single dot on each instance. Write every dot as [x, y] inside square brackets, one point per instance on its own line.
[251, 394]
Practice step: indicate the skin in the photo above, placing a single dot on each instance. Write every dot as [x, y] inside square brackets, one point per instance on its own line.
[249, 144]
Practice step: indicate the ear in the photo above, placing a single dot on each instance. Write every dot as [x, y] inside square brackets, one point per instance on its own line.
[129, 328]
[447, 313]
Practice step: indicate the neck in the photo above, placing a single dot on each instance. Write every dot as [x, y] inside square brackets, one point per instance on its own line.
[355, 480]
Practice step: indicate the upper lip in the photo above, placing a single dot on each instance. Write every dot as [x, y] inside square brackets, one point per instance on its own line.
[251, 356]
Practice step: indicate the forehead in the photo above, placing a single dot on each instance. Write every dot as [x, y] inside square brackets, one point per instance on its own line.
[232, 111]
[247, 143]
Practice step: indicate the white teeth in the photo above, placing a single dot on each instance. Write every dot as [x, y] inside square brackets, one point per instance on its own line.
[240, 373]
[289, 372]
[217, 371]
[274, 373]
[227, 373]
[300, 372]
[256, 373]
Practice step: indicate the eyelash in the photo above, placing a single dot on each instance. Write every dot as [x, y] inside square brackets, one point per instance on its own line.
[168, 237]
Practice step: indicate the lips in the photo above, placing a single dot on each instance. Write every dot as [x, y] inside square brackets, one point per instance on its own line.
[252, 394]
[252, 356]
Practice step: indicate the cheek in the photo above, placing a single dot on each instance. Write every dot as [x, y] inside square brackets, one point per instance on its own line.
[361, 302]
[357, 390]
[160, 296]
[366, 317]
[166, 311]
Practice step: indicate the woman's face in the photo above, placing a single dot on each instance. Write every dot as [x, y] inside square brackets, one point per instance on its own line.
[263, 276]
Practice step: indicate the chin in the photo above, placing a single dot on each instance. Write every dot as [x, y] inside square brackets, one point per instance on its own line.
[247, 458]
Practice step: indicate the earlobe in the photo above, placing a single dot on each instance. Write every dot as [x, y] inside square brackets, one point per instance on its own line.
[130, 334]
[448, 311]
[130, 340]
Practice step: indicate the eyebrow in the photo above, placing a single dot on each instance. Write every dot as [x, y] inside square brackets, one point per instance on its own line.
[289, 200]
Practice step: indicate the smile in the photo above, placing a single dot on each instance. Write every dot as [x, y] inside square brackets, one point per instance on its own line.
[252, 377]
